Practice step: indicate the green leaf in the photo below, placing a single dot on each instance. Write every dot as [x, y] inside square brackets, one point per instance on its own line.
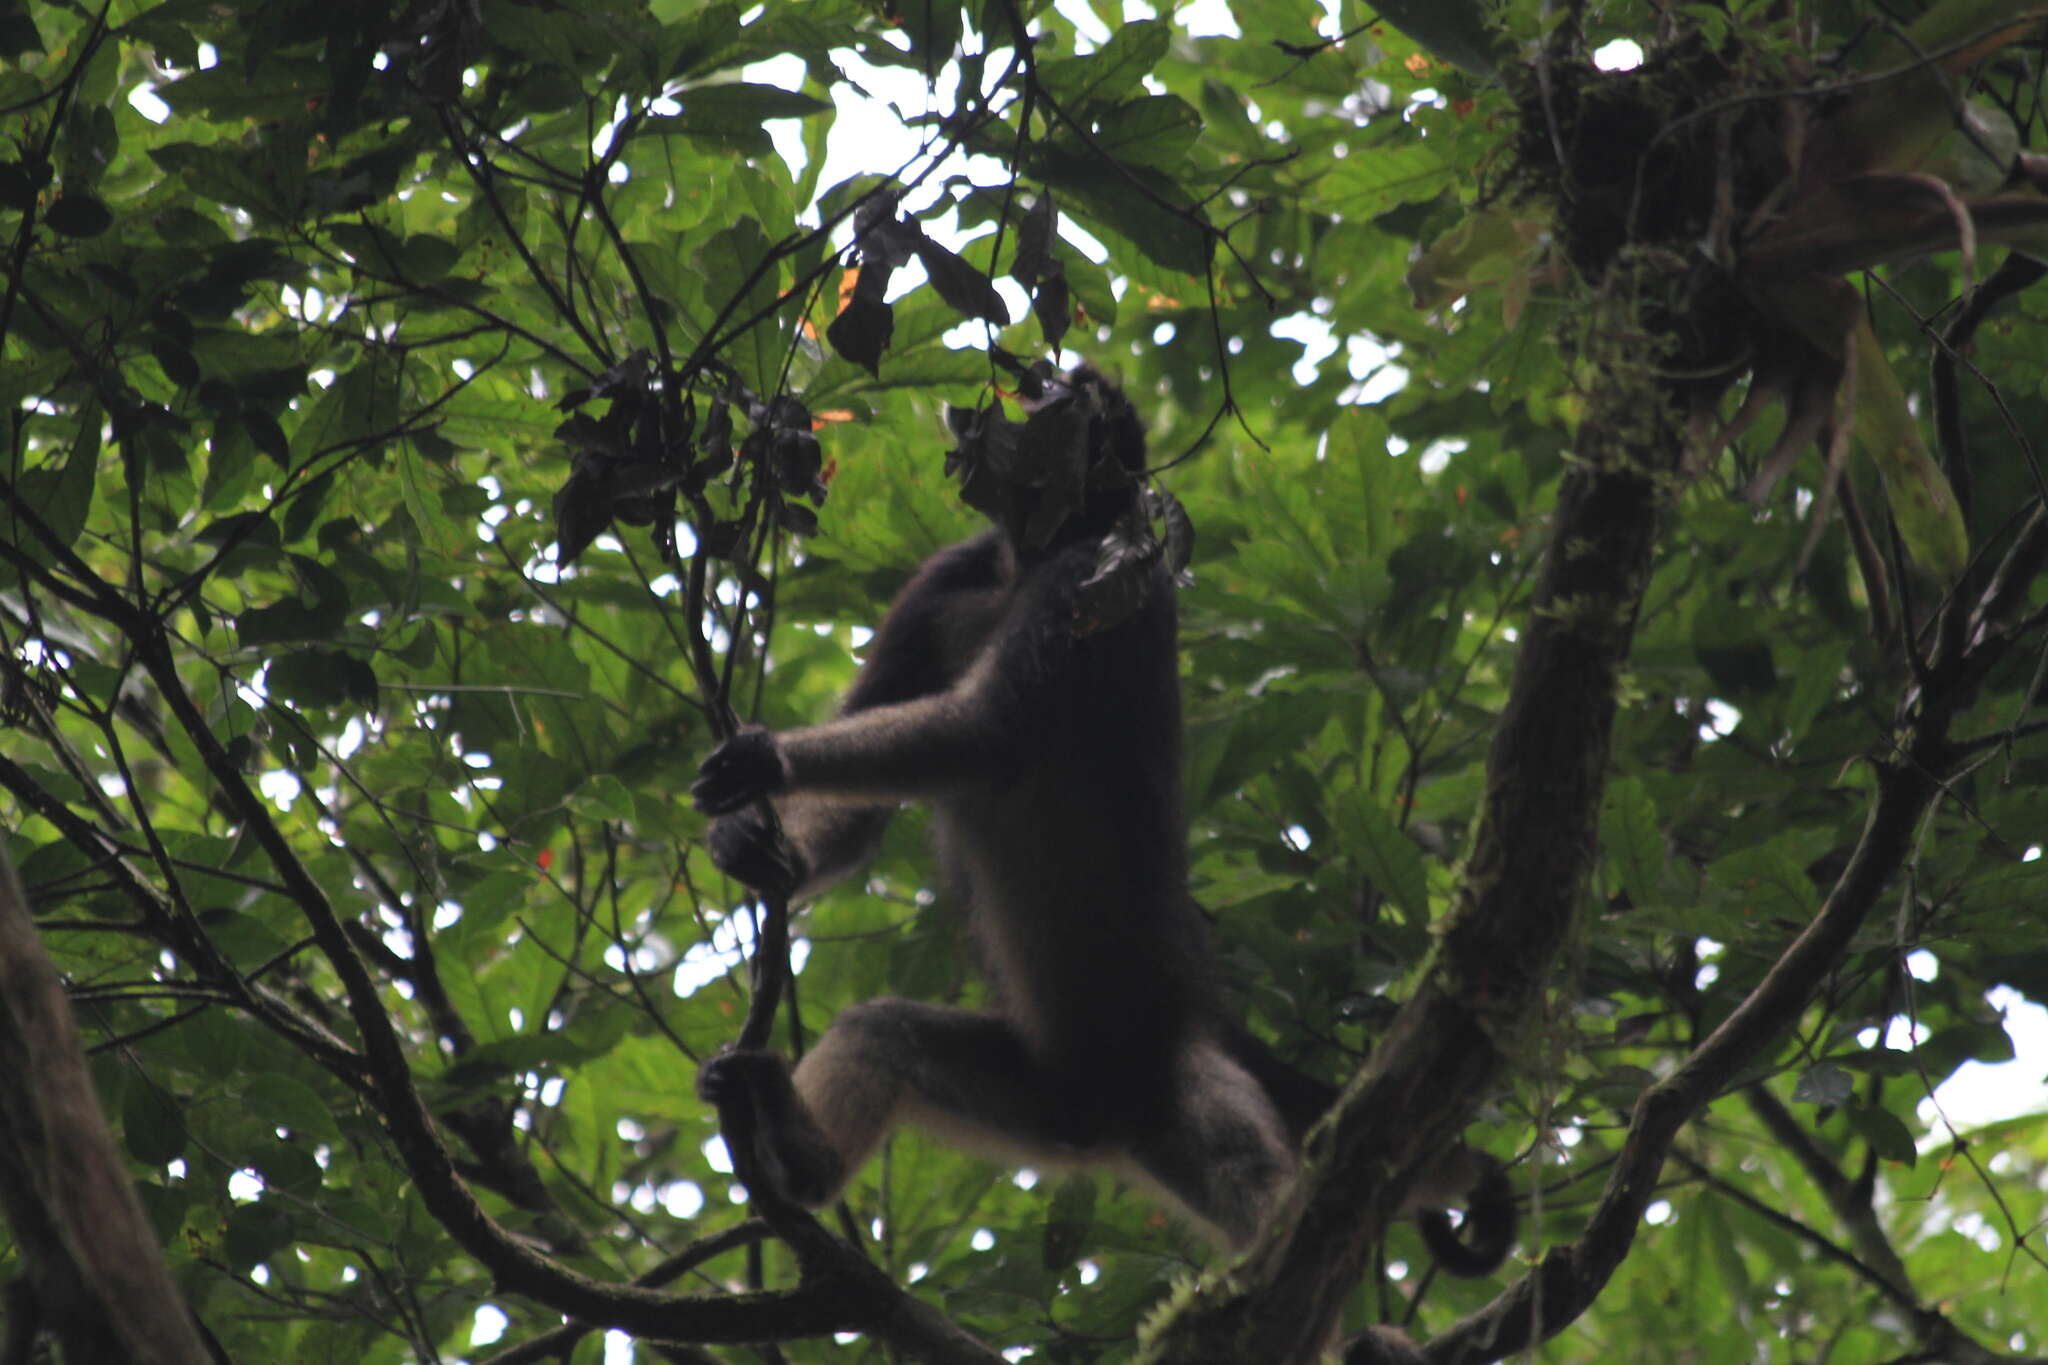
[1374, 180]
[243, 939]
[1730, 642]
[1156, 130]
[732, 115]
[18, 35]
[1388, 857]
[61, 498]
[740, 100]
[1765, 884]
[698, 41]
[1152, 212]
[739, 255]
[176, 362]
[1887, 1136]
[285, 1103]
[1922, 504]
[277, 92]
[267, 436]
[255, 1232]
[320, 677]
[1633, 839]
[934, 30]
[222, 174]
[1486, 249]
[360, 407]
[1463, 32]
[603, 797]
[1068, 1221]
[152, 1127]
[17, 187]
[1113, 72]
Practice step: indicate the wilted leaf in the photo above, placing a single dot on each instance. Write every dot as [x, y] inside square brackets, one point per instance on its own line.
[862, 330]
[962, 285]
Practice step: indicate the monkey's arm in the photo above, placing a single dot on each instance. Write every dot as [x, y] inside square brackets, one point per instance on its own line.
[919, 649]
[929, 718]
[926, 747]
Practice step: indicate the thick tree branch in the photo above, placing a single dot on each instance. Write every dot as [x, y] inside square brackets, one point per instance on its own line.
[99, 1281]
[1545, 775]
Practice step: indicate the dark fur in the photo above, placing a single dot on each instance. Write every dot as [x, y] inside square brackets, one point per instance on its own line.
[1051, 762]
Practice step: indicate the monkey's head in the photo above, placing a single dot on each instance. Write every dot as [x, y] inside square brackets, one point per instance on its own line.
[1066, 473]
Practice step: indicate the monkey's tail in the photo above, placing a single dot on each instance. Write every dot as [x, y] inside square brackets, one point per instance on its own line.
[1482, 1241]
[1483, 1238]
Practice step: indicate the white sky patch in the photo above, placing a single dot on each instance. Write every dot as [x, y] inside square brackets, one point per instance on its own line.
[1378, 380]
[1721, 720]
[867, 140]
[1984, 1092]
[1207, 19]
[281, 787]
[143, 98]
[787, 72]
[1436, 456]
[1314, 335]
[682, 1199]
[1093, 32]
[488, 1325]
[730, 942]
[1623, 54]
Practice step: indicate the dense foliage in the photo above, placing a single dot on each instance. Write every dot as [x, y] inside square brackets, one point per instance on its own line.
[430, 427]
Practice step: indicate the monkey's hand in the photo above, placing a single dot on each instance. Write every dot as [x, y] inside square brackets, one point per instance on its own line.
[779, 1145]
[744, 768]
[747, 850]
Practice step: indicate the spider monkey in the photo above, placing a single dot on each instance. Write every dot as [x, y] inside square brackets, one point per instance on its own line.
[1050, 757]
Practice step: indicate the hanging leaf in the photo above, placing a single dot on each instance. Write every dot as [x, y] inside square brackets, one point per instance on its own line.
[1923, 505]
[79, 215]
[961, 285]
[862, 330]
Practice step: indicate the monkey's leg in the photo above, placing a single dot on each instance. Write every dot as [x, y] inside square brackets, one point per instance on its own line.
[967, 1078]
[1220, 1148]
[776, 1142]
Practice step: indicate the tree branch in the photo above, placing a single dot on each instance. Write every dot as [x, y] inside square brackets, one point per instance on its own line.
[1545, 775]
[99, 1280]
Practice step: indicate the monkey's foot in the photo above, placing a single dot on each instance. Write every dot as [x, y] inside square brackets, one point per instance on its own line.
[759, 1110]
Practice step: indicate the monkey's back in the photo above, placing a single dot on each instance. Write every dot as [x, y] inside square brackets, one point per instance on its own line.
[1072, 859]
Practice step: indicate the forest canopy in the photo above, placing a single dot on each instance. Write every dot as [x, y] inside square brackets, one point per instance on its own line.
[1613, 656]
